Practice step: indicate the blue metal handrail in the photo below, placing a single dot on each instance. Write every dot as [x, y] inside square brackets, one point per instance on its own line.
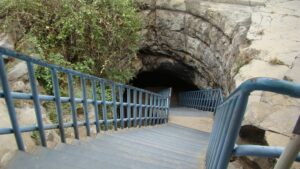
[152, 108]
[229, 117]
[206, 99]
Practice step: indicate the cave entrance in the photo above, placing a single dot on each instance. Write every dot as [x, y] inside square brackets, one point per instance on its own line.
[162, 78]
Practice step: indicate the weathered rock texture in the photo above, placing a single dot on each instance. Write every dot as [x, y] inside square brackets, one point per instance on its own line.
[221, 43]
[198, 40]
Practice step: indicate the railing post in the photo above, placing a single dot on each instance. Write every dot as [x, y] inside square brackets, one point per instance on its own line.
[104, 110]
[160, 110]
[202, 100]
[134, 106]
[155, 110]
[95, 106]
[166, 107]
[73, 105]
[151, 109]
[113, 94]
[85, 106]
[146, 109]
[140, 108]
[10, 106]
[58, 104]
[36, 102]
[128, 108]
[121, 105]
[291, 151]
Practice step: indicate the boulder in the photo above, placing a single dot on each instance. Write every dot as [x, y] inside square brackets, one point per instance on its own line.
[18, 72]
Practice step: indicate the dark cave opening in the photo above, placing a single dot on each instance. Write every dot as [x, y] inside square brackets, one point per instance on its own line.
[164, 77]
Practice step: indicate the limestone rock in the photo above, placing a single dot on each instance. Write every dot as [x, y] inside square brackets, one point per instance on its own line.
[276, 139]
[18, 86]
[267, 117]
[6, 41]
[202, 36]
[293, 73]
[18, 72]
[258, 68]
[7, 151]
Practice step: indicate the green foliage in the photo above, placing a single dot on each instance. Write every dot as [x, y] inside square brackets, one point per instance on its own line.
[276, 61]
[92, 36]
[36, 137]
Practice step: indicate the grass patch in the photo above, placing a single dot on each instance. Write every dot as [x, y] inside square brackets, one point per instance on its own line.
[276, 61]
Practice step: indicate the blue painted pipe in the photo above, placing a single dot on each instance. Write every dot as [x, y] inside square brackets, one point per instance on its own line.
[259, 151]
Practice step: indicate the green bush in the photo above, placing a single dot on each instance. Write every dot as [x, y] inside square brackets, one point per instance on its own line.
[92, 36]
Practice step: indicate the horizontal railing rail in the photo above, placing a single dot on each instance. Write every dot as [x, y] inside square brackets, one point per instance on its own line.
[129, 106]
[206, 99]
[229, 117]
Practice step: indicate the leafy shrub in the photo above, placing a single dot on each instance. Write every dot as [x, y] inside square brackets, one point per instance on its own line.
[92, 36]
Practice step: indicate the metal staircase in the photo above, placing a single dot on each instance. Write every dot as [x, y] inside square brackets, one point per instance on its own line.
[166, 146]
[144, 138]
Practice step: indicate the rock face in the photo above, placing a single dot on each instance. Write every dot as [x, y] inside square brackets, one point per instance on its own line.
[203, 37]
[221, 43]
[18, 81]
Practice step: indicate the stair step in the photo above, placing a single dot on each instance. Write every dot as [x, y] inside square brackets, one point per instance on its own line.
[166, 146]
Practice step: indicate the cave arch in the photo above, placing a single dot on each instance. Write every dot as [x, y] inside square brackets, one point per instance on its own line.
[190, 44]
[166, 74]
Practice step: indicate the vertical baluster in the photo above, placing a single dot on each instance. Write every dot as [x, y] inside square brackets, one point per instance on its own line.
[215, 134]
[195, 100]
[205, 100]
[113, 94]
[151, 109]
[36, 102]
[104, 109]
[10, 106]
[234, 124]
[201, 99]
[160, 110]
[85, 105]
[128, 108]
[95, 106]
[229, 117]
[73, 105]
[209, 100]
[215, 101]
[58, 104]
[134, 106]
[121, 105]
[146, 109]
[165, 105]
[154, 110]
[198, 99]
[140, 107]
[190, 99]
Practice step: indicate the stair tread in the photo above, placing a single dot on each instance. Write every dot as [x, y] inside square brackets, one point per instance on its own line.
[167, 146]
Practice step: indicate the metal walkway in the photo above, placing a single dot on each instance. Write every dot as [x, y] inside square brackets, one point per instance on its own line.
[166, 146]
